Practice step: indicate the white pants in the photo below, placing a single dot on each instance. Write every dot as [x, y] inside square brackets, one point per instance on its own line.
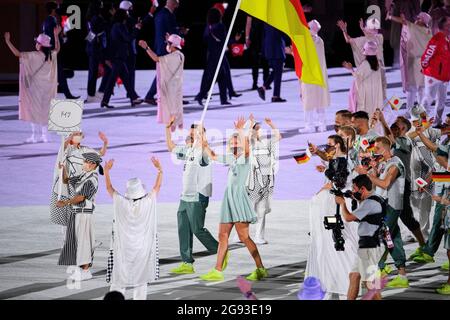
[435, 89]
[34, 128]
[413, 94]
[139, 293]
[311, 120]
[84, 231]
[422, 209]
[260, 228]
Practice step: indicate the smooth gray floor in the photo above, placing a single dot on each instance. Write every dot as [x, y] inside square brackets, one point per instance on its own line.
[30, 247]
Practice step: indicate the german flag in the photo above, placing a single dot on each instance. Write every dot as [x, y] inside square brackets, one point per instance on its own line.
[440, 176]
[288, 17]
[371, 147]
[302, 158]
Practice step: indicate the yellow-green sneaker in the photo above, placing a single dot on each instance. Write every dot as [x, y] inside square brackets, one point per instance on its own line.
[445, 289]
[225, 260]
[386, 271]
[424, 258]
[416, 253]
[183, 268]
[398, 282]
[213, 275]
[445, 266]
[258, 274]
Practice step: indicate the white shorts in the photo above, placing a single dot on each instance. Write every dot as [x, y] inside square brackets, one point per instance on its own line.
[366, 263]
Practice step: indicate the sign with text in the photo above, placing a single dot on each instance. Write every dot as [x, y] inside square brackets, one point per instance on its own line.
[65, 115]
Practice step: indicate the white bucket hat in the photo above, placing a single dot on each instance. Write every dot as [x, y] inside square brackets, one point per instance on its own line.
[175, 41]
[125, 5]
[373, 24]
[44, 40]
[135, 189]
[314, 26]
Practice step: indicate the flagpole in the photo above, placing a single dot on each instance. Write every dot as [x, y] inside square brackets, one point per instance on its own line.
[208, 99]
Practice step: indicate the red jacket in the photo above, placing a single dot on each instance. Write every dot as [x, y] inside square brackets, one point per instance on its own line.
[436, 58]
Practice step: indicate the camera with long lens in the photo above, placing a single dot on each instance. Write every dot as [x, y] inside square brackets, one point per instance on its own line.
[337, 173]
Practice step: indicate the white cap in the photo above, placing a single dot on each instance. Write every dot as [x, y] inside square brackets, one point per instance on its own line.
[125, 5]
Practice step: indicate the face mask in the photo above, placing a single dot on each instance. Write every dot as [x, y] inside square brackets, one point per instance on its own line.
[77, 139]
[357, 195]
[168, 48]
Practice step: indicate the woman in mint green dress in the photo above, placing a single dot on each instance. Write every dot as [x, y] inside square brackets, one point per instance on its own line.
[237, 209]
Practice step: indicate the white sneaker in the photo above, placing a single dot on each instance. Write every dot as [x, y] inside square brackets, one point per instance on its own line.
[43, 138]
[31, 139]
[81, 275]
[307, 129]
[261, 241]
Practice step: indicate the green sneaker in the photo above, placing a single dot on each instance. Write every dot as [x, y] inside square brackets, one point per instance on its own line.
[416, 253]
[183, 268]
[398, 282]
[258, 274]
[225, 261]
[445, 266]
[445, 289]
[213, 275]
[386, 271]
[424, 258]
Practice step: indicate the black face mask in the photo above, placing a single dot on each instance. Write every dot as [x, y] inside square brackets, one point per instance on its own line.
[357, 195]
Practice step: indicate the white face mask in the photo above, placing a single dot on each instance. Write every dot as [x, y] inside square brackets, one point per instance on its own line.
[168, 49]
[77, 139]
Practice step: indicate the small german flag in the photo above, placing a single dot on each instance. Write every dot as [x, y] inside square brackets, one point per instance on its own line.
[440, 176]
[424, 122]
[302, 158]
[371, 146]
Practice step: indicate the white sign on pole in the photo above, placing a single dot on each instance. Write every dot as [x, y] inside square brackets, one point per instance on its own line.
[65, 115]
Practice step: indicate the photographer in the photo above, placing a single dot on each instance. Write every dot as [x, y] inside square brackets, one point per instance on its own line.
[369, 215]
[390, 184]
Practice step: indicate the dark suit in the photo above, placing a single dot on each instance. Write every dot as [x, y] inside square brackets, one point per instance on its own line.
[214, 37]
[48, 28]
[165, 22]
[131, 61]
[95, 50]
[273, 46]
[120, 49]
[107, 56]
[256, 51]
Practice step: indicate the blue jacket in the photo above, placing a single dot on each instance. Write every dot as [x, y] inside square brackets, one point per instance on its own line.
[165, 22]
[274, 43]
[120, 41]
[131, 22]
[97, 25]
[214, 37]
